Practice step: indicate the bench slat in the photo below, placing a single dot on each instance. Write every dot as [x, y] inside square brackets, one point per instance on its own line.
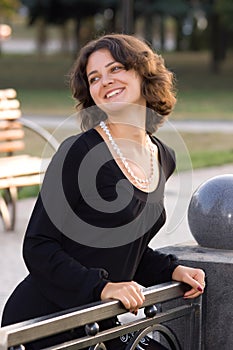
[10, 114]
[20, 171]
[8, 93]
[9, 124]
[12, 134]
[9, 104]
[21, 181]
[22, 166]
[11, 146]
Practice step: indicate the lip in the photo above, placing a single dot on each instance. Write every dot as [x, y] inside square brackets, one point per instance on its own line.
[112, 92]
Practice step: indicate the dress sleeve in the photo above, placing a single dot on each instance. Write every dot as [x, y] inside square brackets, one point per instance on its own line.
[167, 157]
[155, 267]
[59, 276]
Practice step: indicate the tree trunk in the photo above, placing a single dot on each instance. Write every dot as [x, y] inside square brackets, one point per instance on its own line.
[127, 7]
[218, 43]
[76, 41]
[179, 34]
[162, 31]
[41, 35]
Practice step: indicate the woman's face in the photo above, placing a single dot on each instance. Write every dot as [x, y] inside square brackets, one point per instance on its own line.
[111, 84]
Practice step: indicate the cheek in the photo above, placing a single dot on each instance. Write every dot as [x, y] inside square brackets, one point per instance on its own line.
[93, 92]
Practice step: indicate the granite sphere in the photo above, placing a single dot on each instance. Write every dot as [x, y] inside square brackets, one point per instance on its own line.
[210, 213]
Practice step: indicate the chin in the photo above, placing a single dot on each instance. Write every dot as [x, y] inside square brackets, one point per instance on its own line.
[114, 107]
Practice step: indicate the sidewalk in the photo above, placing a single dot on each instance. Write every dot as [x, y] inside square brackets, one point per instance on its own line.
[178, 193]
[194, 126]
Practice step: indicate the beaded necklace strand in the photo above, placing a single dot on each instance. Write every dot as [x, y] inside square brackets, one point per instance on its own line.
[143, 183]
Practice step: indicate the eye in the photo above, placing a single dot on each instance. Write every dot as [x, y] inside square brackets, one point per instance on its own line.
[93, 80]
[117, 68]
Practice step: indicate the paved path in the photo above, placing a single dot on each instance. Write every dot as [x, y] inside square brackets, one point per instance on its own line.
[178, 193]
[195, 126]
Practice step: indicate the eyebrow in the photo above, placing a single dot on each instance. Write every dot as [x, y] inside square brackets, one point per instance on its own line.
[95, 71]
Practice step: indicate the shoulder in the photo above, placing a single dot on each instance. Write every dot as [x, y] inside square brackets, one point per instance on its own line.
[66, 162]
[79, 144]
[83, 140]
[167, 156]
[72, 151]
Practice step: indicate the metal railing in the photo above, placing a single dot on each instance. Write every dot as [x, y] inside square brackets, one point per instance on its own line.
[11, 337]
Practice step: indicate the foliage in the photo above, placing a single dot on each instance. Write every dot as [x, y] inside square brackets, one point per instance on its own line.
[58, 11]
[177, 8]
[225, 10]
[8, 7]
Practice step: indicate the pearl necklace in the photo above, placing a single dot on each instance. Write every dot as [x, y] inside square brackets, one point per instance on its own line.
[143, 183]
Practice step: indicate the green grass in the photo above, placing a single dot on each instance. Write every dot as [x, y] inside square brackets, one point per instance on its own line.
[204, 104]
[202, 94]
[207, 158]
[209, 149]
[51, 102]
[35, 72]
[28, 192]
[197, 150]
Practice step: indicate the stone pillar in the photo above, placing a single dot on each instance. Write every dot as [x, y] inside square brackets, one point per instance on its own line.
[210, 217]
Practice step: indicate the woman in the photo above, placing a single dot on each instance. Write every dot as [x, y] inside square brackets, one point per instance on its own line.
[102, 198]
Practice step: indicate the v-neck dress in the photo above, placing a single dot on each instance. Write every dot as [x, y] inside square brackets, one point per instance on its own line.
[89, 226]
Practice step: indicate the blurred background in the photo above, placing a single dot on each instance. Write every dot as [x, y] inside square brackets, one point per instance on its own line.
[39, 40]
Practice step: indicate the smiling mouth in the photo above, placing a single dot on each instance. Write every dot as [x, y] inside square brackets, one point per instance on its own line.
[113, 93]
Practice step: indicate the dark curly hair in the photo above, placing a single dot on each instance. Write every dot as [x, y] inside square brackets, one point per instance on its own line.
[157, 81]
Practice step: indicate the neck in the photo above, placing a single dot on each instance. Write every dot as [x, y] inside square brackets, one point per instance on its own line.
[127, 131]
[129, 124]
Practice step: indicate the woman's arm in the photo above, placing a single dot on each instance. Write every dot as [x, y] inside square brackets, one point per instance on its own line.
[155, 267]
[60, 277]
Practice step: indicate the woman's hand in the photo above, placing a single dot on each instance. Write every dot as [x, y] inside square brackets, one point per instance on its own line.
[192, 276]
[129, 293]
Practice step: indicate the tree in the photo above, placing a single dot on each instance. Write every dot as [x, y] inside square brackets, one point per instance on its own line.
[58, 12]
[177, 9]
[225, 9]
[220, 18]
[217, 13]
[8, 8]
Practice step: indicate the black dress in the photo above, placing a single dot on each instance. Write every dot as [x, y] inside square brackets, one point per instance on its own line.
[90, 225]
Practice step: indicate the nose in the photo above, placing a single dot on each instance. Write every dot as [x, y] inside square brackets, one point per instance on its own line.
[106, 80]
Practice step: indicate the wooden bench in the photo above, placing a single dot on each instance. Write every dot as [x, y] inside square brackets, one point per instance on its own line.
[17, 168]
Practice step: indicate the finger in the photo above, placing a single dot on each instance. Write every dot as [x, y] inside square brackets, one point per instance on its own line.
[125, 301]
[195, 292]
[135, 312]
[135, 301]
[131, 302]
[139, 290]
[140, 298]
[137, 294]
[196, 285]
[192, 293]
